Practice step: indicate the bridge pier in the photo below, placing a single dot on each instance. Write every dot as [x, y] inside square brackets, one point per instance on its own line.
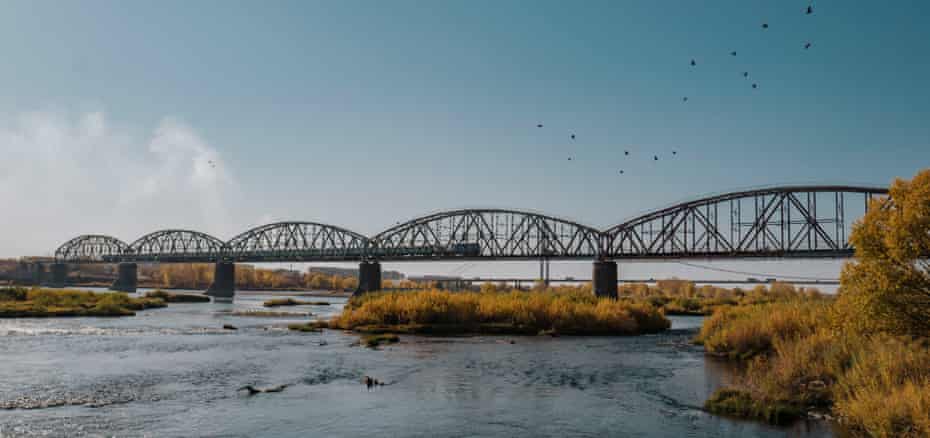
[127, 278]
[223, 288]
[369, 277]
[38, 274]
[604, 279]
[59, 274]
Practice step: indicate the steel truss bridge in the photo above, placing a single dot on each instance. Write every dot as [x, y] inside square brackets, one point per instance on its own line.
[786, 221]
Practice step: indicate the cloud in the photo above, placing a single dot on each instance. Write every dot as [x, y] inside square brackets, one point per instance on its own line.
[64, 174]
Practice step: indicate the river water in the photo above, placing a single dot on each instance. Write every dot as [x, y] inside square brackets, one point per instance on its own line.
[175, 372]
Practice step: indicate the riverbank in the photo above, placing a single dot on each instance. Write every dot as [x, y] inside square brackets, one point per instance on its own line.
[863, 357]
[797, 365]
[514, 312]
[17, 302]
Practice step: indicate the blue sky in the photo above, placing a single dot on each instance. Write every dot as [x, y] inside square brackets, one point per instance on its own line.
[365, 113]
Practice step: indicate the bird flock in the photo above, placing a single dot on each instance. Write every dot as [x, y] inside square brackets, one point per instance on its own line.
[807, 45]
[809, 10]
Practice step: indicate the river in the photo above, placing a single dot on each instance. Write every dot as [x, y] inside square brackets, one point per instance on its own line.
[175, 372]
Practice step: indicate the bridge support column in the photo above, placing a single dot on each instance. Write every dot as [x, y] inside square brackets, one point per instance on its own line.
[604, 279]
[38, 274]
[126, 278]
[369, 277]
[223, 288]
[59, 274]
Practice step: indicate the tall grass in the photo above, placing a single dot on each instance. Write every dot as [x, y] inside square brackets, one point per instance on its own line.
[682, 297]
[886, 389]
[574, 313]
[36, 303]
[878, 384]
[743, 332]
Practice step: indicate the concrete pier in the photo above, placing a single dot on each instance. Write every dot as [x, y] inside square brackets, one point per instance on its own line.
[604, 279]
[223, 288]
[38, 274]
[127, 278]
[59, 274]
[369, 277]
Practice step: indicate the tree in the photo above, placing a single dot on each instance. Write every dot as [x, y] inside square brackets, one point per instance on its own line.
[887, 287]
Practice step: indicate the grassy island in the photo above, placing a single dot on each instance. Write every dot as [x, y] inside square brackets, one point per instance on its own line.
[270, 314]
[515, 312]
[311, 326]
[177, 298]
[18, 302]
[863, 357]
[279, 302]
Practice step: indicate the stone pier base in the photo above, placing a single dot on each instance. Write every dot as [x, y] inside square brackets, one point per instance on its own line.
[127, 278]
[59, 275]
[369, 277]
[223, 289]
[604, 279]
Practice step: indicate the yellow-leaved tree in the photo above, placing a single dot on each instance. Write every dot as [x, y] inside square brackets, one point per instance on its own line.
[887, 287]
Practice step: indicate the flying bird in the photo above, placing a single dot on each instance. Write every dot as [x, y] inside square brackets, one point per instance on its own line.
[655, 158]
[733, 53]
[569, 158]
[765, 25]
[674, 152]
[539, 125]
[693, 63]
[621, 172]
[684, 99]
[626, 152]
[810, 9]
[745, 74]
[573, 136]
[755, 85]
[807, 45]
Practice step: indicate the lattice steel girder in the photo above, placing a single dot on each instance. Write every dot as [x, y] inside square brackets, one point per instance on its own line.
[487, 233]
[780, 221]
[176, 246]
[297, 241]
[91, 248]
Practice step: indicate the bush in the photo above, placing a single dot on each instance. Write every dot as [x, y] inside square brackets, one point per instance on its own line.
[13, 294]
[312, 326]
[743, 332]
[878, 383]
[886, 390]
[374, 341]
[740, 404]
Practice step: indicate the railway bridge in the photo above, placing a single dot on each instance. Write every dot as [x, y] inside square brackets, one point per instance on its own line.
[811, 221]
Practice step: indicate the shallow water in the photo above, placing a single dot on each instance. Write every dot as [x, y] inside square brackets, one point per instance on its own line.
[174, 372]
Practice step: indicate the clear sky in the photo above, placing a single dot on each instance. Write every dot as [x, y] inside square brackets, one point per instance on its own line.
[362, 114]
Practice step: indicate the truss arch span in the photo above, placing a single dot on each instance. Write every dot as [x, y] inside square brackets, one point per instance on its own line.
[783, 221]
[91, 248]
[297, 241]
[177, 246]
[486, 234]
